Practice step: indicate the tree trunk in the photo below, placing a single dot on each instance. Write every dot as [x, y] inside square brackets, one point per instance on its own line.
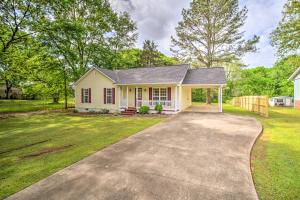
[55, 98]
[65, 89]
[8, 88]
[208, 96]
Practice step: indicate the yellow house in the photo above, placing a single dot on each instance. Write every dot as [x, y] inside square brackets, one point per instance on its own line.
[127, 90]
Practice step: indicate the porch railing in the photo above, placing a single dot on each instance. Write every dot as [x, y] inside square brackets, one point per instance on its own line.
[153, 103]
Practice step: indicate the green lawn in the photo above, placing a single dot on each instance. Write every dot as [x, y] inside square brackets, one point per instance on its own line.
[8, 106]
[34, 147]
[275, 158]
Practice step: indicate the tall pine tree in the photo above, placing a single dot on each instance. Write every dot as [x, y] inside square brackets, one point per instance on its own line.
[210, 34]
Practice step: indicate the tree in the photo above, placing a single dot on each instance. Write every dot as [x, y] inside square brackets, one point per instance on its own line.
[233, 72]
[81, 34]
[286, 37]
[210, 33]
[150, 54]
[256, 81]
[15, 17]
[280, 73]
[127, 58]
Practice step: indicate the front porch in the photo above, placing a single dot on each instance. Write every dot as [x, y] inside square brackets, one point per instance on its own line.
[173, 98]
[142, 95]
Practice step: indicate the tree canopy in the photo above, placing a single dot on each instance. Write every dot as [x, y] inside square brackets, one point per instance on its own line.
[210, 33]
[286, 37]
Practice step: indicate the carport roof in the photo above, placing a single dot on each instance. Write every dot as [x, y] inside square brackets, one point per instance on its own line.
[203, 76]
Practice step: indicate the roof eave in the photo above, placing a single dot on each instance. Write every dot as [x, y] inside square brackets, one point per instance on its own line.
[167, 83]
[292, 77]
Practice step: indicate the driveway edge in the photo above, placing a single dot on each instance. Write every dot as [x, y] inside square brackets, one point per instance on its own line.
[251, 153]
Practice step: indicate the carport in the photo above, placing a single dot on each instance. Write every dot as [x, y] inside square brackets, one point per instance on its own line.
[204, 78]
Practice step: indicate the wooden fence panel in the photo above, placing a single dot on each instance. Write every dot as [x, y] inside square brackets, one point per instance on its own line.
[256, 104]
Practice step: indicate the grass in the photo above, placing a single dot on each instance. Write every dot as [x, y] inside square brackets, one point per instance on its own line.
[34, 147]
[275, 159]
[9, 106]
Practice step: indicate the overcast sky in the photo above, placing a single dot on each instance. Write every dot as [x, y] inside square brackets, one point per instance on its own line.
[157, 19]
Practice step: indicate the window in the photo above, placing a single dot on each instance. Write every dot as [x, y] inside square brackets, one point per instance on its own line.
[160, 94]
[163, 94]
[279, 100]
[109, 97]
[85, 95]
[140, 92]
[155, 95]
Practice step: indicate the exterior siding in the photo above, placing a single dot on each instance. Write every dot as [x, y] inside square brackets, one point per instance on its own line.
[297, 92]
[297, 104]
[186, 98]
[297, 89]
[97, 82]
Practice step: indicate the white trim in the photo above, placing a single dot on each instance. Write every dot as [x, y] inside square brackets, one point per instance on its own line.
[83, 76]
[159, 93]
[180, 98]
[220, 97]
[119, 96]
[140, 84]
[111, 95]
[201, 85]
[127, 96]
[189, 67]
[175, 98]
[292, 77]
[86, 94]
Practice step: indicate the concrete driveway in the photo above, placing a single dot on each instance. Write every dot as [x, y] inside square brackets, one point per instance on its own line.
[190, 156]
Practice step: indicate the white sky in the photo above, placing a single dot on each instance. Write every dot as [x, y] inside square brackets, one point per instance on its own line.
[157, 19]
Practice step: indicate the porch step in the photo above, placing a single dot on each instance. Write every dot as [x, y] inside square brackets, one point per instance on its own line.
[129, 111]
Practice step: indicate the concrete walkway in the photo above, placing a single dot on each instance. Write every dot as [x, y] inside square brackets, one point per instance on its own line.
[190, 156]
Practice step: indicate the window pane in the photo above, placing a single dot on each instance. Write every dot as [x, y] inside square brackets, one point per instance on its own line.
[85, 95]
[163, 92]
[108, 95]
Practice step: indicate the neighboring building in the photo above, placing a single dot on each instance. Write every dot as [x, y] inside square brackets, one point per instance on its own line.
[121, 90]
[281, 101]
[14, 93]
[296, 78]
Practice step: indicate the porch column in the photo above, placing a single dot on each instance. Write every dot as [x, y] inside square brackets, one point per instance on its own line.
[127, 96]
[136, 96]
[220, 99]
[120, 96]
[179, 97]
[175, 97]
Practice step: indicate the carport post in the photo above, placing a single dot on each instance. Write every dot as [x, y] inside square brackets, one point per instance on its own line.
[176, 102]
[220, 96]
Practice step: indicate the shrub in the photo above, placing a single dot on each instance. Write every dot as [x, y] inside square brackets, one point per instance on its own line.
[144, 109]
[104, 111]
[159, 108]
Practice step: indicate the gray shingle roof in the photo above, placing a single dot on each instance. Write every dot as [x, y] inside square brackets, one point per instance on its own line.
[111, 74]
[214, 75]
[170, 74]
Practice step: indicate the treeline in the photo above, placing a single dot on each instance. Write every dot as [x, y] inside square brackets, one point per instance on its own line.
[269, 81]
[47, 45]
